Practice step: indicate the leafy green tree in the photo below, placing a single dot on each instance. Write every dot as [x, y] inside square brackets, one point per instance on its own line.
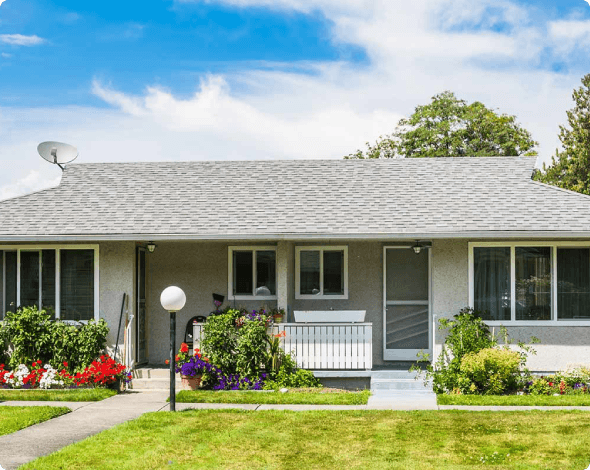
[449, 127]
[570, 168]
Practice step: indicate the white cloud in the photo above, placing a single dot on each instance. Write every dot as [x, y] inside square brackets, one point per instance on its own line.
[481, 49]
[569, 34]
[1, 2]
[21, 40]
[33, 181]
[6, 55]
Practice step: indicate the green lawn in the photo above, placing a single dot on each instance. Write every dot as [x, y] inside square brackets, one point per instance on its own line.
[85, 394]
[514, 400]
[13, 418]
[236, 439]
[274, 398]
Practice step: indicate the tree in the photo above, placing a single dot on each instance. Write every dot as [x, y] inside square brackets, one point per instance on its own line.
[449, 127]
[570, 168]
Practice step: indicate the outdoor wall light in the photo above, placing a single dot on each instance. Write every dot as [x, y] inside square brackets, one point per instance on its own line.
[172, 299]
[151, 247]
[420, 245]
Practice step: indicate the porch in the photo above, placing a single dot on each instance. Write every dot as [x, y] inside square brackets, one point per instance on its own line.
[390, 286]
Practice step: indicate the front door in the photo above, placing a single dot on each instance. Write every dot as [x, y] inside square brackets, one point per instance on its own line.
[140, 333]
[406, 303]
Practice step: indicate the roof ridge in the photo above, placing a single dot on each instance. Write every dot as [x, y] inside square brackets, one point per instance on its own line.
[557, 188]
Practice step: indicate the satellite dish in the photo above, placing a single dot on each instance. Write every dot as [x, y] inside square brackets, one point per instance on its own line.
[57, 153]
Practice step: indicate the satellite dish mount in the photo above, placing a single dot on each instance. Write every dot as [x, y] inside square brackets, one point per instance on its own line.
[57, 153]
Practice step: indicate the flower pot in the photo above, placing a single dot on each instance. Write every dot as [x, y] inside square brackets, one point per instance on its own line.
[118, 385]
[278, 319]
[190, 383]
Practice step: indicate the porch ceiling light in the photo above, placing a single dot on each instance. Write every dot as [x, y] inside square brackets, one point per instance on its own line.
[172, 299]
[151, 247]
[420, 245]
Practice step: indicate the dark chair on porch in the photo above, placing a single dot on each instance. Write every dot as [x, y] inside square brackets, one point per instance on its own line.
[188, 332]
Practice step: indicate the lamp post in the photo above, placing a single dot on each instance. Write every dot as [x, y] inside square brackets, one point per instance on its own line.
[172, 299]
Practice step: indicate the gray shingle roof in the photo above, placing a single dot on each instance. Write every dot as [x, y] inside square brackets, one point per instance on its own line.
[296, 198]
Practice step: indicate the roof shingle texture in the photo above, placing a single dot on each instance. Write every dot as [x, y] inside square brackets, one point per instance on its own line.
[296, 197]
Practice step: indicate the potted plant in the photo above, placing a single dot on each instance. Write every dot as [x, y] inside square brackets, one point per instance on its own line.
[278, 315]
[191, 368]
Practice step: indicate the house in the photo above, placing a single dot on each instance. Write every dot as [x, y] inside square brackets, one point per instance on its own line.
[408, 241]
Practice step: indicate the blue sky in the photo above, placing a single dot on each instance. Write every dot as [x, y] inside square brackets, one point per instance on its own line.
[240, 79]
[132, 44]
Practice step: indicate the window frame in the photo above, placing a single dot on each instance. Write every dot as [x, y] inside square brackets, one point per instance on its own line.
[321, 249]
[39, 248]
[230, 272]
[553, 246]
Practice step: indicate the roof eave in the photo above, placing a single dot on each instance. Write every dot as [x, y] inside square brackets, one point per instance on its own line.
[506, 234]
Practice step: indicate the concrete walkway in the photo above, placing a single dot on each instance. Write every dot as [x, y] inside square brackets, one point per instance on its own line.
[89, 418]
[86, 419]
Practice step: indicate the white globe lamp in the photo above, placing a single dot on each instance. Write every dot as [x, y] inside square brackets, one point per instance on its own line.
[172, 299]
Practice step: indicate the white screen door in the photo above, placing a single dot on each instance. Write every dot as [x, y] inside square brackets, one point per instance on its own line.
[406, 303]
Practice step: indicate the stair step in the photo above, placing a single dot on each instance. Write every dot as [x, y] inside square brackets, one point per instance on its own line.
[393, 374]
[154, 383]
[413, 386]
[152, 373]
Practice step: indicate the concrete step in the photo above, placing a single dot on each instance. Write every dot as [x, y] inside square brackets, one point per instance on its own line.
[151, 373]
[399, 385]
[154, 384]
[393, 374]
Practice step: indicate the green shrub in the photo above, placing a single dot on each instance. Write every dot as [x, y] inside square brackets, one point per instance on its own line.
[220, 341]
[31, 335]
[237, 343]
[490, 371]
[467, 334]
[290, 376]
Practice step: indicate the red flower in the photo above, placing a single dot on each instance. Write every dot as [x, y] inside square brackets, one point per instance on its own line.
[167, 361]
[184, 348]
[177, 358]
[65, 364]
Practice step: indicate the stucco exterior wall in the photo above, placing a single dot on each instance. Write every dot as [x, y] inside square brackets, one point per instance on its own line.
[117, 276]
[365, 289]
[200, 269]
[449, 288]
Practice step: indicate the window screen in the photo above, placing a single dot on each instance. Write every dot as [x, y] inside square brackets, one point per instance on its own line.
[77, 285]
[334, 272]
[309, 272]
[29, 278]
[242, 266]
[573, 283]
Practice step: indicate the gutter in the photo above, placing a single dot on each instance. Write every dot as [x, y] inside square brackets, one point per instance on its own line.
[297, 237]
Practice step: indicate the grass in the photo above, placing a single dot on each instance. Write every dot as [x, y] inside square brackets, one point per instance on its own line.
[84, 394]
[305, 397]
[514, 400]
[13, 418]
[236, 439]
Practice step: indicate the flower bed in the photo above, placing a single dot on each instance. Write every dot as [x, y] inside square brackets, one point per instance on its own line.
[102, 372]
[240, 354]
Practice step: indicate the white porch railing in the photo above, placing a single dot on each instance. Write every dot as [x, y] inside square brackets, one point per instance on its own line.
[323, 345]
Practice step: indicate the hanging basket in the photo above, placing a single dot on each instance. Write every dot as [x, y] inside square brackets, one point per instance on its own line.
[190, 383]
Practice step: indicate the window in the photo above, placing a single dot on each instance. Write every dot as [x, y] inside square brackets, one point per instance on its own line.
[529, 283]
[321, 272]
[62, 280]
[252, 273]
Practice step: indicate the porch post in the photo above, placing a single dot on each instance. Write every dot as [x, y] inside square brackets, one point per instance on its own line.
[284, 269]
